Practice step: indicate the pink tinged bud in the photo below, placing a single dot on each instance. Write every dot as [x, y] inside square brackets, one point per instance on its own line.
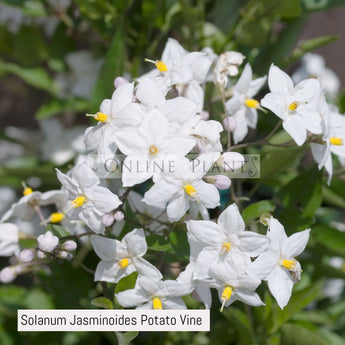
[41, 255]
[62, 254]
[119, 81]
[69, 246]
[26, 255]
[229, 123]
[222, 182]
[7, 275]
[231, 161]
[205, 115]
[47, 242]
[108, 219]
[119, 216]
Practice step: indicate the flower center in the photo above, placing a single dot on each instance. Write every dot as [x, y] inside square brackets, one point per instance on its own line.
[190, 190]
[336, 141]
[56, 217]
[153, 149]
[252, 103]
[123, 263]
[101, 117]
[27, 191]
[79, 201]
[225, 247]
[293, 106]
[161, 66]
[289, 264]
[157, 304]
[226, 294]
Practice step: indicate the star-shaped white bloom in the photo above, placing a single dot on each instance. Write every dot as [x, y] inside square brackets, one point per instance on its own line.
[225, 241]
[89, 200]
[9, 238]
[242, 105]
[117, 112]
[183, 186]
[278, 265]
[233, 285]
[148, 148]
[295, 105]
[333, 139]
[153, 293]
[119, 259]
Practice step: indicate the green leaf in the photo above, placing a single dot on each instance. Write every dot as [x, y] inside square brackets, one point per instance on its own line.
[295, 334]
[240, 322]
[307, 46]
[57, 106]
[127, 283]
[126, 337]
[289, 8]
[299, 300]
[57, 230]
[156, 242]
[102, 302]
[332, 239]
[254, 211]
[38, 299]
[36, 77]
[113, 66]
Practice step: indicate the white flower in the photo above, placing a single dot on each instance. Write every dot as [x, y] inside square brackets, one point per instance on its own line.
[278, 264]
[227, 65]
[153, 293]
[148, 148]
[117, 112]
[24, 209]
[89, 200]
[177, 66]
[118, 259]
[9, 238]
[225, 241]
[295, 105]
[233, 285]
[242, 105]
[313, 66]
[47, 242]
[333, 139]
[184, 185]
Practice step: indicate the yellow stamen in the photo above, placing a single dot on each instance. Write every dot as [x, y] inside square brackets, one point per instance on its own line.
[161, 66]
[190, 190]
[153, 149]
[226, 246]
[157, 304]
[79, 201]
[101, 117]
[252, 103]
[226, 294]
[27, 191]
[56, 217]
[123, 263]
[293, 106]
[289, 264]
[336, 141]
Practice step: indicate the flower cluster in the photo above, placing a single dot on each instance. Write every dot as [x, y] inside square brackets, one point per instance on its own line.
[169, 148]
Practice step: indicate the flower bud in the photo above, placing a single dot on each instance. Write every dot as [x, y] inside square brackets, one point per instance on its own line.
[229, 123]
[47, 242]
[119, 216]
[108, 219]
[26, 255]
[7, 275]
[62, 254]
[230, 161]
[69, 246]
[205, 115]
[119, 81]
[222, 182]
[41, 255]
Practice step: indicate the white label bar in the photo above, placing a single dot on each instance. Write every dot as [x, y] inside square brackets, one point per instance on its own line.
[94, 320]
